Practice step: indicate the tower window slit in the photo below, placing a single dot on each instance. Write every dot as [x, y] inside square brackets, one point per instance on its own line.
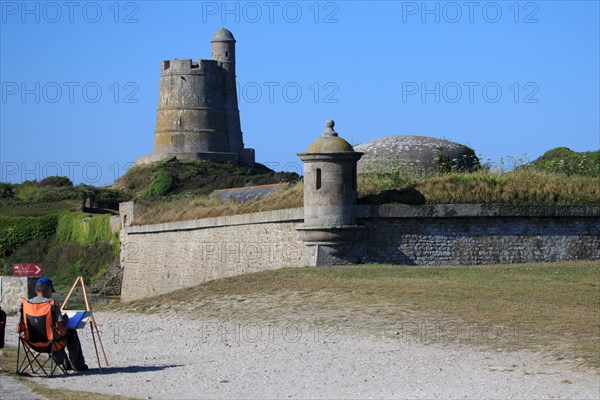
[318, 180]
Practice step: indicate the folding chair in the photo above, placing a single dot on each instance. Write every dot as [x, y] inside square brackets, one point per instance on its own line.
[38, 337]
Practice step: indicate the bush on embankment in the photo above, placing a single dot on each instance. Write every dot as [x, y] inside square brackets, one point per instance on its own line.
[67, 244]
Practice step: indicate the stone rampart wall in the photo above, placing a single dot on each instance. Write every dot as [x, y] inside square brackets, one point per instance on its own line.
[476, 234]
[161, 258]
[164, 257]
[12, 289]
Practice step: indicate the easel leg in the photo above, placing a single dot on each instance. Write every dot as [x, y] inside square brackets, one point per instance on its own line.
[93, 324]
[93, 321]
[96, 348]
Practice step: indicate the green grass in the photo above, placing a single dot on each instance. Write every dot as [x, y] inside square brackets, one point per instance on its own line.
[191, 179]
[8, 363]
[16, 231]
[63, 262]
[68, 244]
[35, 192]
[22, 209]
[566, 161]
[33, 198]
[521, 186]
[554, 307]
[479, 187]
[85, 229]
[177, 209]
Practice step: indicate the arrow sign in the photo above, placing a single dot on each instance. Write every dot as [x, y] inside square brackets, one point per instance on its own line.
[27, 270]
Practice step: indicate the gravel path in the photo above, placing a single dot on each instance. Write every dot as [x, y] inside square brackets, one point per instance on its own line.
[189, 359]
[12, 389]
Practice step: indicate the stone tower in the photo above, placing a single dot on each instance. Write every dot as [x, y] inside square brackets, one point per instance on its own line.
[330, 194]
[198, 116]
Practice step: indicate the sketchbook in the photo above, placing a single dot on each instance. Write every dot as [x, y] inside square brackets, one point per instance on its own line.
[77, 319]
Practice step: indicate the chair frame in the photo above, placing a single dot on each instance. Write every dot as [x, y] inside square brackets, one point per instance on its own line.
[32, 353]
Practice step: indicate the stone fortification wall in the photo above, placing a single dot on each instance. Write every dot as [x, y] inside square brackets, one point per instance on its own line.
[12, 289]
[480, 234]
[164, 257]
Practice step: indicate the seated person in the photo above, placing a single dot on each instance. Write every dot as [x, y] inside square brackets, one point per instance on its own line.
[44, 289]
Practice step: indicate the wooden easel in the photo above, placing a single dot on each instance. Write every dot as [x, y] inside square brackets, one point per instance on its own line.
[92, 319]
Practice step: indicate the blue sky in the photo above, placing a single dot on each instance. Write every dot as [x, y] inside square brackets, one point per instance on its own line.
[80, 79]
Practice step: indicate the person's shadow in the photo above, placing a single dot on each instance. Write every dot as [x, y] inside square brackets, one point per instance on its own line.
[132, 369]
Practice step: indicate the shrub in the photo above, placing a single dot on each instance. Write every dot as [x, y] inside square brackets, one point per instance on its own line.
[51, 193]
[15, 231]
[6, 191]
[63, 262]
[467, 162]
[56, 181]
[566, 161]
[84, 229]
[162, 184]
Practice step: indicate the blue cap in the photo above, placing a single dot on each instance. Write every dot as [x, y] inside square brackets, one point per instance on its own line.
[44, 281]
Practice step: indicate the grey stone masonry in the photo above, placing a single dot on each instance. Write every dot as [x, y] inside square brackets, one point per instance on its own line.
[164, 257]
[198, 116]
[481, 240]
[161, 258]
[330, 194]
[13, 289]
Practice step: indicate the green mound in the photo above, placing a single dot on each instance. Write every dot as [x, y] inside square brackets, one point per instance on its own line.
[566, 161]
[53, 194]
[162, 179]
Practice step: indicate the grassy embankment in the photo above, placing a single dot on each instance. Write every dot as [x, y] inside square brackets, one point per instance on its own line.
[171, 191]
[560, 176]
[551, 307]
[177, 191]
[67, 244]
[186, 180]
[52, 194]
[42, 222]
[521, 186]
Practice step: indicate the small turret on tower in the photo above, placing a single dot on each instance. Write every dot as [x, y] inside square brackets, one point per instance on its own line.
[223, 52]
[223, 49]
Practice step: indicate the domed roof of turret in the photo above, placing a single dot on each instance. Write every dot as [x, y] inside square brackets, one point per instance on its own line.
[330, 142]
[223, 35]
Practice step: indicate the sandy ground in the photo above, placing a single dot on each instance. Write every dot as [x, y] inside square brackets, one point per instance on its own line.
[178, 358]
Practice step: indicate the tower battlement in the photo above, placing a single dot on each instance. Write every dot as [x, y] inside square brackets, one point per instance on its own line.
[198, 116]
[186, 66]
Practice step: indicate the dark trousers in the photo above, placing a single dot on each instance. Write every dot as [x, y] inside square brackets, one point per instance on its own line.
[2, 327]
[73, 345]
